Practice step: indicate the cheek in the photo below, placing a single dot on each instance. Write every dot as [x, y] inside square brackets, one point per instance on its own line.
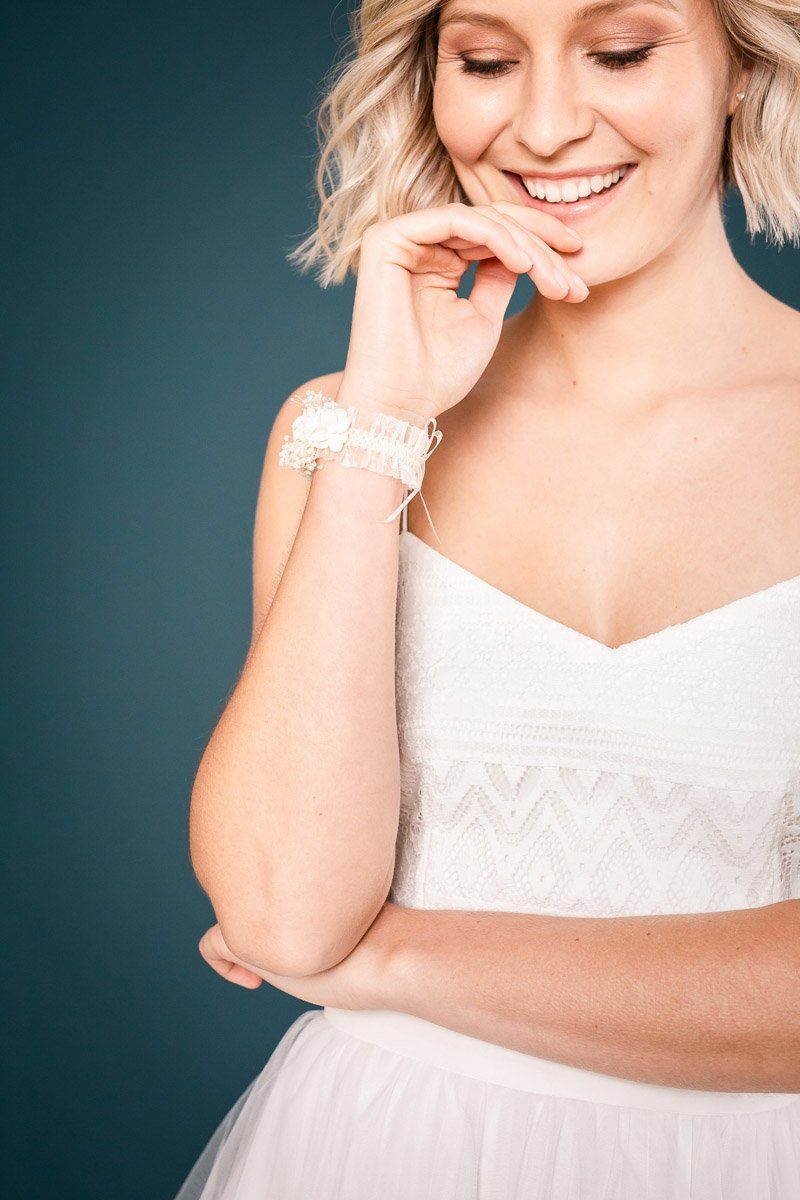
[660, 116]
[640, 107]
[468, 116]
[681, 143]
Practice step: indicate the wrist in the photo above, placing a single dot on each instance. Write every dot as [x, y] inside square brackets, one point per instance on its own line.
[369, 400]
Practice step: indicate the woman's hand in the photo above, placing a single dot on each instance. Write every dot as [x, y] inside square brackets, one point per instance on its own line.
[359, 981]
[415, 345]
[215, 951]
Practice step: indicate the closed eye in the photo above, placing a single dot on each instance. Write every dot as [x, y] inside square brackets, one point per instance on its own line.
[484, 66]
[613, 61]
[623, 58]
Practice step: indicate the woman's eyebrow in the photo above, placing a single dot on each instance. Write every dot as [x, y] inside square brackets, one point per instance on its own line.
[584, 13]
[467, 17]
[610, 6]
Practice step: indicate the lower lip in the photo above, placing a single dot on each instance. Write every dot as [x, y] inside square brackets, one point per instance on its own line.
[566, 210]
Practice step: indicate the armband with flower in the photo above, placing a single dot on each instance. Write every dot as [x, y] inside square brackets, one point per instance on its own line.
[325, 430]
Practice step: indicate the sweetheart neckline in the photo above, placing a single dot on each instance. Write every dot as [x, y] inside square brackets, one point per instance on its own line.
[772, 589]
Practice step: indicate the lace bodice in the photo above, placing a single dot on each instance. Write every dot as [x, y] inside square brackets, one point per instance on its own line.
[545, 772]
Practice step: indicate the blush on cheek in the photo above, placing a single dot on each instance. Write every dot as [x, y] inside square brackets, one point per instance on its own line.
[643, 125]
[661, 116]
[466, 126]
[668, 131]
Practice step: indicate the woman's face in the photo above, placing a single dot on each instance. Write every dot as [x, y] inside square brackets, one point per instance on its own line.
[540, 87]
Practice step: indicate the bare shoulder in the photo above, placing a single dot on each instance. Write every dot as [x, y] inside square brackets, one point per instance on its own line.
[281, 501]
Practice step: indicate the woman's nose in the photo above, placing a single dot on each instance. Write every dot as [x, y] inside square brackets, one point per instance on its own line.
[552, 111]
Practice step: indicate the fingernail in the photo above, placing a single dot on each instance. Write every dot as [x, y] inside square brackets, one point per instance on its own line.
[580, 286]
[559, 279]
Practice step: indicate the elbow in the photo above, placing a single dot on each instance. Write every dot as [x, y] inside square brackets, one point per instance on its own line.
[270, 918]
[256, 942]
[317, 944]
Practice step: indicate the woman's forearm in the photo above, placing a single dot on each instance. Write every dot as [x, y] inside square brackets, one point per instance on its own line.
[296, 803]
[699, 1000]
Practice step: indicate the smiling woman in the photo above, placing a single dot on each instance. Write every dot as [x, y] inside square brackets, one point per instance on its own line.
[627, 77]
[381, 153]
[522, 813]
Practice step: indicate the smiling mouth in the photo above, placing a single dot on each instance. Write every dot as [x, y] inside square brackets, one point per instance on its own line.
[579, 195]
[573, 188]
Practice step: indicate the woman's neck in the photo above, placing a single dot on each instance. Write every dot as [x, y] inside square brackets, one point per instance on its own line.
[687, 319]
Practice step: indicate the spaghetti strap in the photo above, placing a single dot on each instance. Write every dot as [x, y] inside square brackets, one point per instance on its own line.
[404, 515]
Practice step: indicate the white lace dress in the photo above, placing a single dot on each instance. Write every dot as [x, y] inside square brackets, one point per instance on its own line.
[543, 772]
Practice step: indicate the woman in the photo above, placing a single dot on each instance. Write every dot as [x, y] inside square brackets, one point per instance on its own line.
[550, 902]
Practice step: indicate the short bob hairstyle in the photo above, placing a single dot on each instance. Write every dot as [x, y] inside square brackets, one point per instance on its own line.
[380, 154]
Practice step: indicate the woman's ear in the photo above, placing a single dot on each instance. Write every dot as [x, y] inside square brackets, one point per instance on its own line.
[739, 86]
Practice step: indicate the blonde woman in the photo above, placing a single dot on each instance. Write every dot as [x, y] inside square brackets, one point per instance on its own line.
[514, 796]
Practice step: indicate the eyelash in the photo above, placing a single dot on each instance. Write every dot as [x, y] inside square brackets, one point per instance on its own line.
[613, 62]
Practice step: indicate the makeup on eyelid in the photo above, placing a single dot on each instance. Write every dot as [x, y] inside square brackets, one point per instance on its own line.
[637, 29]
[610, 60]
[606, 40]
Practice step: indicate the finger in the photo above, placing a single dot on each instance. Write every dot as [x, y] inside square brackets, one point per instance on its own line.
[436, 226]
[212, 944]
[474, 250]
[553, 278]
[492, 290]
[546, 225]
[234, 973]
[553, 265]
[214, 952]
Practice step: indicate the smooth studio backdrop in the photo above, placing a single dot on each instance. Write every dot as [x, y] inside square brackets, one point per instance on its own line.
[161, 159]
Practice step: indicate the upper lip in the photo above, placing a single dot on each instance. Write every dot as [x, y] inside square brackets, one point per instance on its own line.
[576, 173]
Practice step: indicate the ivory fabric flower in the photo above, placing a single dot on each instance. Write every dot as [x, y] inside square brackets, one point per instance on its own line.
[323, 425]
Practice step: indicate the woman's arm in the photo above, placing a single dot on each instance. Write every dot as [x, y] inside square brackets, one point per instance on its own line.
[295, 806]
[696, 1000]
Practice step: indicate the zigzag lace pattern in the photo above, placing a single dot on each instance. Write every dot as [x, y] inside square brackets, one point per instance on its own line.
[538, 776]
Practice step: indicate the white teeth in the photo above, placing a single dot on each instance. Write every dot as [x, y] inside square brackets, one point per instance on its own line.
[568, 190]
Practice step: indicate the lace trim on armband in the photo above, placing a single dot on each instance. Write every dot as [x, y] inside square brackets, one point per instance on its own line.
[389, 446]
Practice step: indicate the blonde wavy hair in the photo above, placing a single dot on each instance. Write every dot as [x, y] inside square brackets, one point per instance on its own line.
[380, 154]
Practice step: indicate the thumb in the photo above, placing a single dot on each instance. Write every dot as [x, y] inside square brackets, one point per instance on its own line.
[492, 289]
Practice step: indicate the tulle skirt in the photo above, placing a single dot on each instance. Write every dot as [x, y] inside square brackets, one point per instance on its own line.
[382, 1105]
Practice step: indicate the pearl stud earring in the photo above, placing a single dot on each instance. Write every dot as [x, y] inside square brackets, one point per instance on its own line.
[740, 95]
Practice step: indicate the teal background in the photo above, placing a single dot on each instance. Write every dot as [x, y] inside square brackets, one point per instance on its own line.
[161, 160]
